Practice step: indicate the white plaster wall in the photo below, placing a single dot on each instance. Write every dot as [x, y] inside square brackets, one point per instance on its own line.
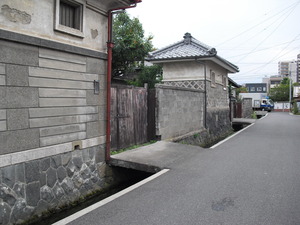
[176, 71]
[182, 71]
[42, 14]
[219, 72]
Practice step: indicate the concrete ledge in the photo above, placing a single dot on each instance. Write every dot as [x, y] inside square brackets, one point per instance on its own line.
[134, 165]
[261, 113]
[38, 153]
[243, 121]
[25, 39]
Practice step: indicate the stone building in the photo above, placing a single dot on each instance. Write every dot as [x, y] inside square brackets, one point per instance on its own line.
[53, 91]
[192, 65]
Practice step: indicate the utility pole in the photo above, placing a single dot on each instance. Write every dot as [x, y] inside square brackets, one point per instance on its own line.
[290, 90]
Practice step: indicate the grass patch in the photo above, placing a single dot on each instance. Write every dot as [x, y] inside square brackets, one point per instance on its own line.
[253, 115]
[132, 147]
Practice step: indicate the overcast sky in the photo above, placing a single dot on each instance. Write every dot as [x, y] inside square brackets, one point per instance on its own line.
[252, 34]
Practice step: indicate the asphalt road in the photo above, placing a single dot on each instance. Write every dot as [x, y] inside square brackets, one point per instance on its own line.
[253, 178]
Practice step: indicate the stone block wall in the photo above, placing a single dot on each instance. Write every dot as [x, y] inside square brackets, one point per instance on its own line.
[247, 107]
[32, 188]
[179, 111]
[47, 97]
[218, 123]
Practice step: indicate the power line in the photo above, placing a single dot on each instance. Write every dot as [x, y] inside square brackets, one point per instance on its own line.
[275, 57]
[271, 32]
[245, 31]
[263, 49]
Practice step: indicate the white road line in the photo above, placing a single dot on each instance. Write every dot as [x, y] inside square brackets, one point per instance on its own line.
[109, 199]
[226, 139]
[264, 116]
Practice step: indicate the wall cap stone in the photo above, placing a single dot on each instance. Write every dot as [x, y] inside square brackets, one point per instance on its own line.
[38, 153]
[162, 86]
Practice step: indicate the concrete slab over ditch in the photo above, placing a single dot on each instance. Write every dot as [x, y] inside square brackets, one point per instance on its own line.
[155, 157]
[243, 121]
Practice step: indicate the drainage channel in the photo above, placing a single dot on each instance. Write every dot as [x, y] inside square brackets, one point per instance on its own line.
[132, 177]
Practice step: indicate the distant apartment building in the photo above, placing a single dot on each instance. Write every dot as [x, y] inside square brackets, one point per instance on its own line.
[275, 80]
[283, 68]
[293, 71]
[257, 87]
[288, 69]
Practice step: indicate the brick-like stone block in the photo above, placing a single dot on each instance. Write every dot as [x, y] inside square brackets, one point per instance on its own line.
[17, 119]
[96, 129]
[20, 174]
[97, 66]
[2, 80]
[51, 131]
[5, 211]
[33, 193]
[18, 97]
[18, 140]
[92, 99]
[15, 53]
[8, 175]
[32, 171]
[56, 161]
[51, 177]
[17, 75]
[45, 164]
[99, 154]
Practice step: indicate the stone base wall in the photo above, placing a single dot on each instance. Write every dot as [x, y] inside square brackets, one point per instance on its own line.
[218, 122]
[31, 189]
[247, 107]
[218, 127]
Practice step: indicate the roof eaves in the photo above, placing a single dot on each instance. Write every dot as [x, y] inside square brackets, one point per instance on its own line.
[189, 58]
[234, 67]
[234, 83]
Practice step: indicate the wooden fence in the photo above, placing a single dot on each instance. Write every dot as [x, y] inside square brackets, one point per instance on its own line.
[129, 116]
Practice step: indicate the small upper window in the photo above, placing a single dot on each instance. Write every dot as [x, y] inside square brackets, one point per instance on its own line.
[259, 88]
[224, 80]
[252, 89]
[69, 17]
[70, 14]
[213, 78]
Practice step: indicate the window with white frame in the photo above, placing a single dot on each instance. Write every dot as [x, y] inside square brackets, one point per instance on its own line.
[224, 80]
[213, 78]
[69, 16]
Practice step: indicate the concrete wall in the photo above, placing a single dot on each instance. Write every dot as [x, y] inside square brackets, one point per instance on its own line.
[179, 111]
[281, 106]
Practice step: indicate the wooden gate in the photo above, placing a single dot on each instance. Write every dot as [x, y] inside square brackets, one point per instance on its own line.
[238, 110]
[128, 116]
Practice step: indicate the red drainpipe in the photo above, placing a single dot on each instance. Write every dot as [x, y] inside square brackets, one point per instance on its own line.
[110, 46]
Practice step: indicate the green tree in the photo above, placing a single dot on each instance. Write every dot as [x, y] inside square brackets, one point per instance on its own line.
[281, 92]
[241, 90]
[148, 74]
[130, 44]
